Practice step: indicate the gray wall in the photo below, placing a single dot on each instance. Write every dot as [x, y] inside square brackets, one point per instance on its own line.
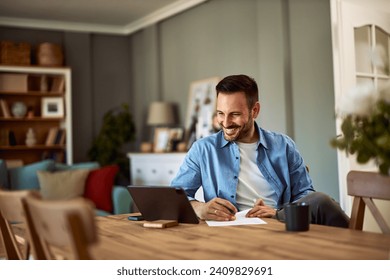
[312, 90]
[284, 44]
[78, 57]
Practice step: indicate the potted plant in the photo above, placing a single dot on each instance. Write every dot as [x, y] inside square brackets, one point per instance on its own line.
[365, 113]
[117, 130]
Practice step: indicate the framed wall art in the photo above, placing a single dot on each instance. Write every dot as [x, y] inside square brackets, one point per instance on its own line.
[201, 108]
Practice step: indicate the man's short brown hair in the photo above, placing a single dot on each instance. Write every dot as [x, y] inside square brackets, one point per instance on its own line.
[240, 83]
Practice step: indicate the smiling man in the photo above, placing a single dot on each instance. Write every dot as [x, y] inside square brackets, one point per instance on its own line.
[246, 167]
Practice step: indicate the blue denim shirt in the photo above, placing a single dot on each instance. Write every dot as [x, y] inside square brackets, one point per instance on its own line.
[214, 163]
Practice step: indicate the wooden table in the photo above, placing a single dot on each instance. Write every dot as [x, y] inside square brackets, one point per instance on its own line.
[124, 239]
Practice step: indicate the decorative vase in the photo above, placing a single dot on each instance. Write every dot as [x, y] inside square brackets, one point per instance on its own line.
[19, 109]
[146, 147]
[30, 137]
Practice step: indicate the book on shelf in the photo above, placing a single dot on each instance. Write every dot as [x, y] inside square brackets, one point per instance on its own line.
[4, 137]
[63, 137]
[5, 112]
[60, 137]
[58, 84]
[55, 136]
[7, 138]
[11, 138]
[51, 136]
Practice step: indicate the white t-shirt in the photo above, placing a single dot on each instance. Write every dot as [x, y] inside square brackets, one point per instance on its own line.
[251, 182]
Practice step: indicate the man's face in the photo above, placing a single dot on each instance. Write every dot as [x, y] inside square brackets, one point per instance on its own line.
[234, 117]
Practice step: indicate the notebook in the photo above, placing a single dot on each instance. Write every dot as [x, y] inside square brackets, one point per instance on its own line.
[163, 203]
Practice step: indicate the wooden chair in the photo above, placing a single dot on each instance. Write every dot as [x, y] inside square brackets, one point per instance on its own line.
[11, 213]
[65, 224]
[366, 186]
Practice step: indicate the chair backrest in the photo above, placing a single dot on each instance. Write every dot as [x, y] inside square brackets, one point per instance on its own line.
[65, 224]
[16, 244]
[364, 187]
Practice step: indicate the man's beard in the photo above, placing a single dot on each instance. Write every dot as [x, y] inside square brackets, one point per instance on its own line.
[238, 132]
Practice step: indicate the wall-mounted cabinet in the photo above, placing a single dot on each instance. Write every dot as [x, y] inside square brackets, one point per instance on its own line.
[35, 114]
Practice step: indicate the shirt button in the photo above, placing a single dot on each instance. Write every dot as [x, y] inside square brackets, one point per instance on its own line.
[236, 157]
[232, 196]
[235, 177]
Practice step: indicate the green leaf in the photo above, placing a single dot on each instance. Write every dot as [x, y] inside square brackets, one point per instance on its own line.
[347, 128]
[363, 157]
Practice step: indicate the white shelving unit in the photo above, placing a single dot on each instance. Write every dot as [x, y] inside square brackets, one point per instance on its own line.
[31, 94]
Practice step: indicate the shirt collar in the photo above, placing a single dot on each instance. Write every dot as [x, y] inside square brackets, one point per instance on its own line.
[261, 140]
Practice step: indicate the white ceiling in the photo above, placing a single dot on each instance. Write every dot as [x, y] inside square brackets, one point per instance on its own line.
[103, 16]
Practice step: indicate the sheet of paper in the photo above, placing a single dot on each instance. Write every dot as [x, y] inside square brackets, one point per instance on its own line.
[240, 220]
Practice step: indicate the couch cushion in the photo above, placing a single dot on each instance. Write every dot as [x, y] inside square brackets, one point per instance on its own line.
[98, 187]
[62, 184]
[3, 175]
[25, 177]
[81, 165]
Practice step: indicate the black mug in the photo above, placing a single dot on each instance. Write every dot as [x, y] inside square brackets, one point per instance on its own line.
[297, 216]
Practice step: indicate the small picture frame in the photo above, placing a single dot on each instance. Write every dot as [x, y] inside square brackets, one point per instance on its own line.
[52, 107]
[176, 135]
[161, 139]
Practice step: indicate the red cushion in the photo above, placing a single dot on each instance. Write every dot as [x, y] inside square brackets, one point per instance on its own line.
[98, 187]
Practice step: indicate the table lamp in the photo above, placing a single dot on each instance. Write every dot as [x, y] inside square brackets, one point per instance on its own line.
[160, 114]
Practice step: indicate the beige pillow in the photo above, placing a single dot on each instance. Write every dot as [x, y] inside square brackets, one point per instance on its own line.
[62, 184]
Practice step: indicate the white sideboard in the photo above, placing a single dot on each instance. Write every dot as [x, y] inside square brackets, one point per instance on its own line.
[156, 169]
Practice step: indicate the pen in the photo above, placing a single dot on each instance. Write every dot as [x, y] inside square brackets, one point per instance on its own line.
[230, 210]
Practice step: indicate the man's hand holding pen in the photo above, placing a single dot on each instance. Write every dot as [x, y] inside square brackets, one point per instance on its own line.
[217, 209]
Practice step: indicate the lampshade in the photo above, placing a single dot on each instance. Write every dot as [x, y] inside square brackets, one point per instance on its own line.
[161, 113]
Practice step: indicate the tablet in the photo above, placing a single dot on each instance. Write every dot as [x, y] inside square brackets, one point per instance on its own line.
[163, 203]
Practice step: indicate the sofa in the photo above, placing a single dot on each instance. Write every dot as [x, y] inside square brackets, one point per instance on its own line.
[61, 181]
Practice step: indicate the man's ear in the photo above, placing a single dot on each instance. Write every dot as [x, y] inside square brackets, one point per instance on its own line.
[256, 110]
